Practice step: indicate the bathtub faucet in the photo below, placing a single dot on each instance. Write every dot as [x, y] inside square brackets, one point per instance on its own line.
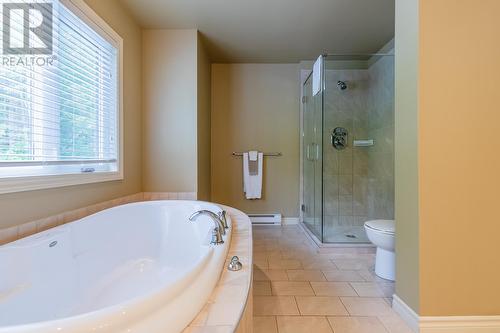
[223, 219]
[218, 230]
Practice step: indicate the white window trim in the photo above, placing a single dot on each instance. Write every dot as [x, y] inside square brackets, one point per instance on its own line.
[20, 184]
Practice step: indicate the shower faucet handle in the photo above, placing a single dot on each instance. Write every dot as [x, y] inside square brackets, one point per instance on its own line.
[339, 138]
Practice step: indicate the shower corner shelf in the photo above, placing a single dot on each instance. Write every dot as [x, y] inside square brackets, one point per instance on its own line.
[364, 143]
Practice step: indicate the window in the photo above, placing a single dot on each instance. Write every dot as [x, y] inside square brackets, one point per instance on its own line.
[59, 111]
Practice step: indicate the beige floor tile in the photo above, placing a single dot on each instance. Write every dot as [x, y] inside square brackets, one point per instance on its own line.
[305, 275]
[262, 288]
[321, 306]
[323, 264]
[274, 306]
[303, 325]
[298, 254]
[343, 276]
[333, 289]
[284, 264]
[291, 288]
[265, 324]
[368, 289]
[295, 274]
[370, 276]
[270, 275]
[356, 325]
[394, 324]
[352, 264]
[388, 289]
[366, 306]
[266, 255]
[260, 263]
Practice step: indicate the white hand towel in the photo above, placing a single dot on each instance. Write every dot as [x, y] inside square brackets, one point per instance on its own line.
[253, 155]
[252, 183]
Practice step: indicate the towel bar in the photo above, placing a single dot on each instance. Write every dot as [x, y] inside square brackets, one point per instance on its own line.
[265, 154]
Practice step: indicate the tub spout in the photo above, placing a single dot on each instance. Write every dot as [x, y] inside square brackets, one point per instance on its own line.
[218, 230]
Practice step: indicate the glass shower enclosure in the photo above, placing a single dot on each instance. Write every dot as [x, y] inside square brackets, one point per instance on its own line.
[348, 147]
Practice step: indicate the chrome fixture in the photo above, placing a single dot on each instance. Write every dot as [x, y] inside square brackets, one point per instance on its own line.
[235, 153]
[339, 138]
[218, 230]
[342, 85]
[235, 264]
[223, 219]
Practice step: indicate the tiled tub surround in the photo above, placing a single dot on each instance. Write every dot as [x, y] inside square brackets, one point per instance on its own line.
[230, 306]
[300, 288]
[359, 181]
[16, 232]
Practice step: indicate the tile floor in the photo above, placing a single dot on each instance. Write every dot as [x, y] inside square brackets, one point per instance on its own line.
[301, 288]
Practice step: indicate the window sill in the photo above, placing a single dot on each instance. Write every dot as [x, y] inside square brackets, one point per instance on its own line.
[22, 184]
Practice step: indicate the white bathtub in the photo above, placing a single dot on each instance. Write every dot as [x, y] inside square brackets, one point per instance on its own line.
[141, 267]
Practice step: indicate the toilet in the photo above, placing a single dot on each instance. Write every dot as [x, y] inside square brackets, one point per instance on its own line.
[382, 234]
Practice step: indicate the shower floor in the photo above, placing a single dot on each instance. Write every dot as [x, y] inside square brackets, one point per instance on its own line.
[345, 234]
[338, 233]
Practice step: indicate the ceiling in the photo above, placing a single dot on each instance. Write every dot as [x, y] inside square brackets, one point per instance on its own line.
[274, 30]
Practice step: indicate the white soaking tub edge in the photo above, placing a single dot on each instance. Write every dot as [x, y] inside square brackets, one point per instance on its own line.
[146, 268]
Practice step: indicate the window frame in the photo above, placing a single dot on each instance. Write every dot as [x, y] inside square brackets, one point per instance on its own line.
[30, 183]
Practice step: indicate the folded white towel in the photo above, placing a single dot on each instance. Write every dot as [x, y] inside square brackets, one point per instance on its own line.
[252, 155]
[252, 182]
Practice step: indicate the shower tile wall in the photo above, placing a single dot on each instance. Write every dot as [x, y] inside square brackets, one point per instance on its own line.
[358, 182]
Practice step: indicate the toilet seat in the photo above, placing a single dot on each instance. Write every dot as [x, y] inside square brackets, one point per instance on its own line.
[382, 226]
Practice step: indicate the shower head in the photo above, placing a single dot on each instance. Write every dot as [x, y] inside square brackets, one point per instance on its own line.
[342, 85]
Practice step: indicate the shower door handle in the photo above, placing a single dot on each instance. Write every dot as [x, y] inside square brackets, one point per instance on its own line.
[308, 152]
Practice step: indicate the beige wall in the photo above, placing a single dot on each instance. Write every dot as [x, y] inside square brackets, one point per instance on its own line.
[459, 157]
[446, 162]
[406, 153]
[22, 207]
[256, 106]
[170, 110]
[203, 122]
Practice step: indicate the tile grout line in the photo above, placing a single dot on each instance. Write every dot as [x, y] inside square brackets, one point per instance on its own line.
[330, 324]
[345, 307]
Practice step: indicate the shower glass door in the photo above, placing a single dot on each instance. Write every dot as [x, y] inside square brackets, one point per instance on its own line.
[312, 160]
[348, 147]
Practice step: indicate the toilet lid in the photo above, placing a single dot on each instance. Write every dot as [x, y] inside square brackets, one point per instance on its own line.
[387, 226]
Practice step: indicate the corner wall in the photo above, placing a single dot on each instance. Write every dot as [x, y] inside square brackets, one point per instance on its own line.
[406, 153]
[22, 207]
[204, 72]
[170, 110]
[459, 153]
[447, 160]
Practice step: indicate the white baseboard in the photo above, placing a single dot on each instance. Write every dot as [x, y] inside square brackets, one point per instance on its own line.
[290, 220]
[406, 313]
[445, 324]
[460, 324]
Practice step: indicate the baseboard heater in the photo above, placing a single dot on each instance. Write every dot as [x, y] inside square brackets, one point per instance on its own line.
[265, 219]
